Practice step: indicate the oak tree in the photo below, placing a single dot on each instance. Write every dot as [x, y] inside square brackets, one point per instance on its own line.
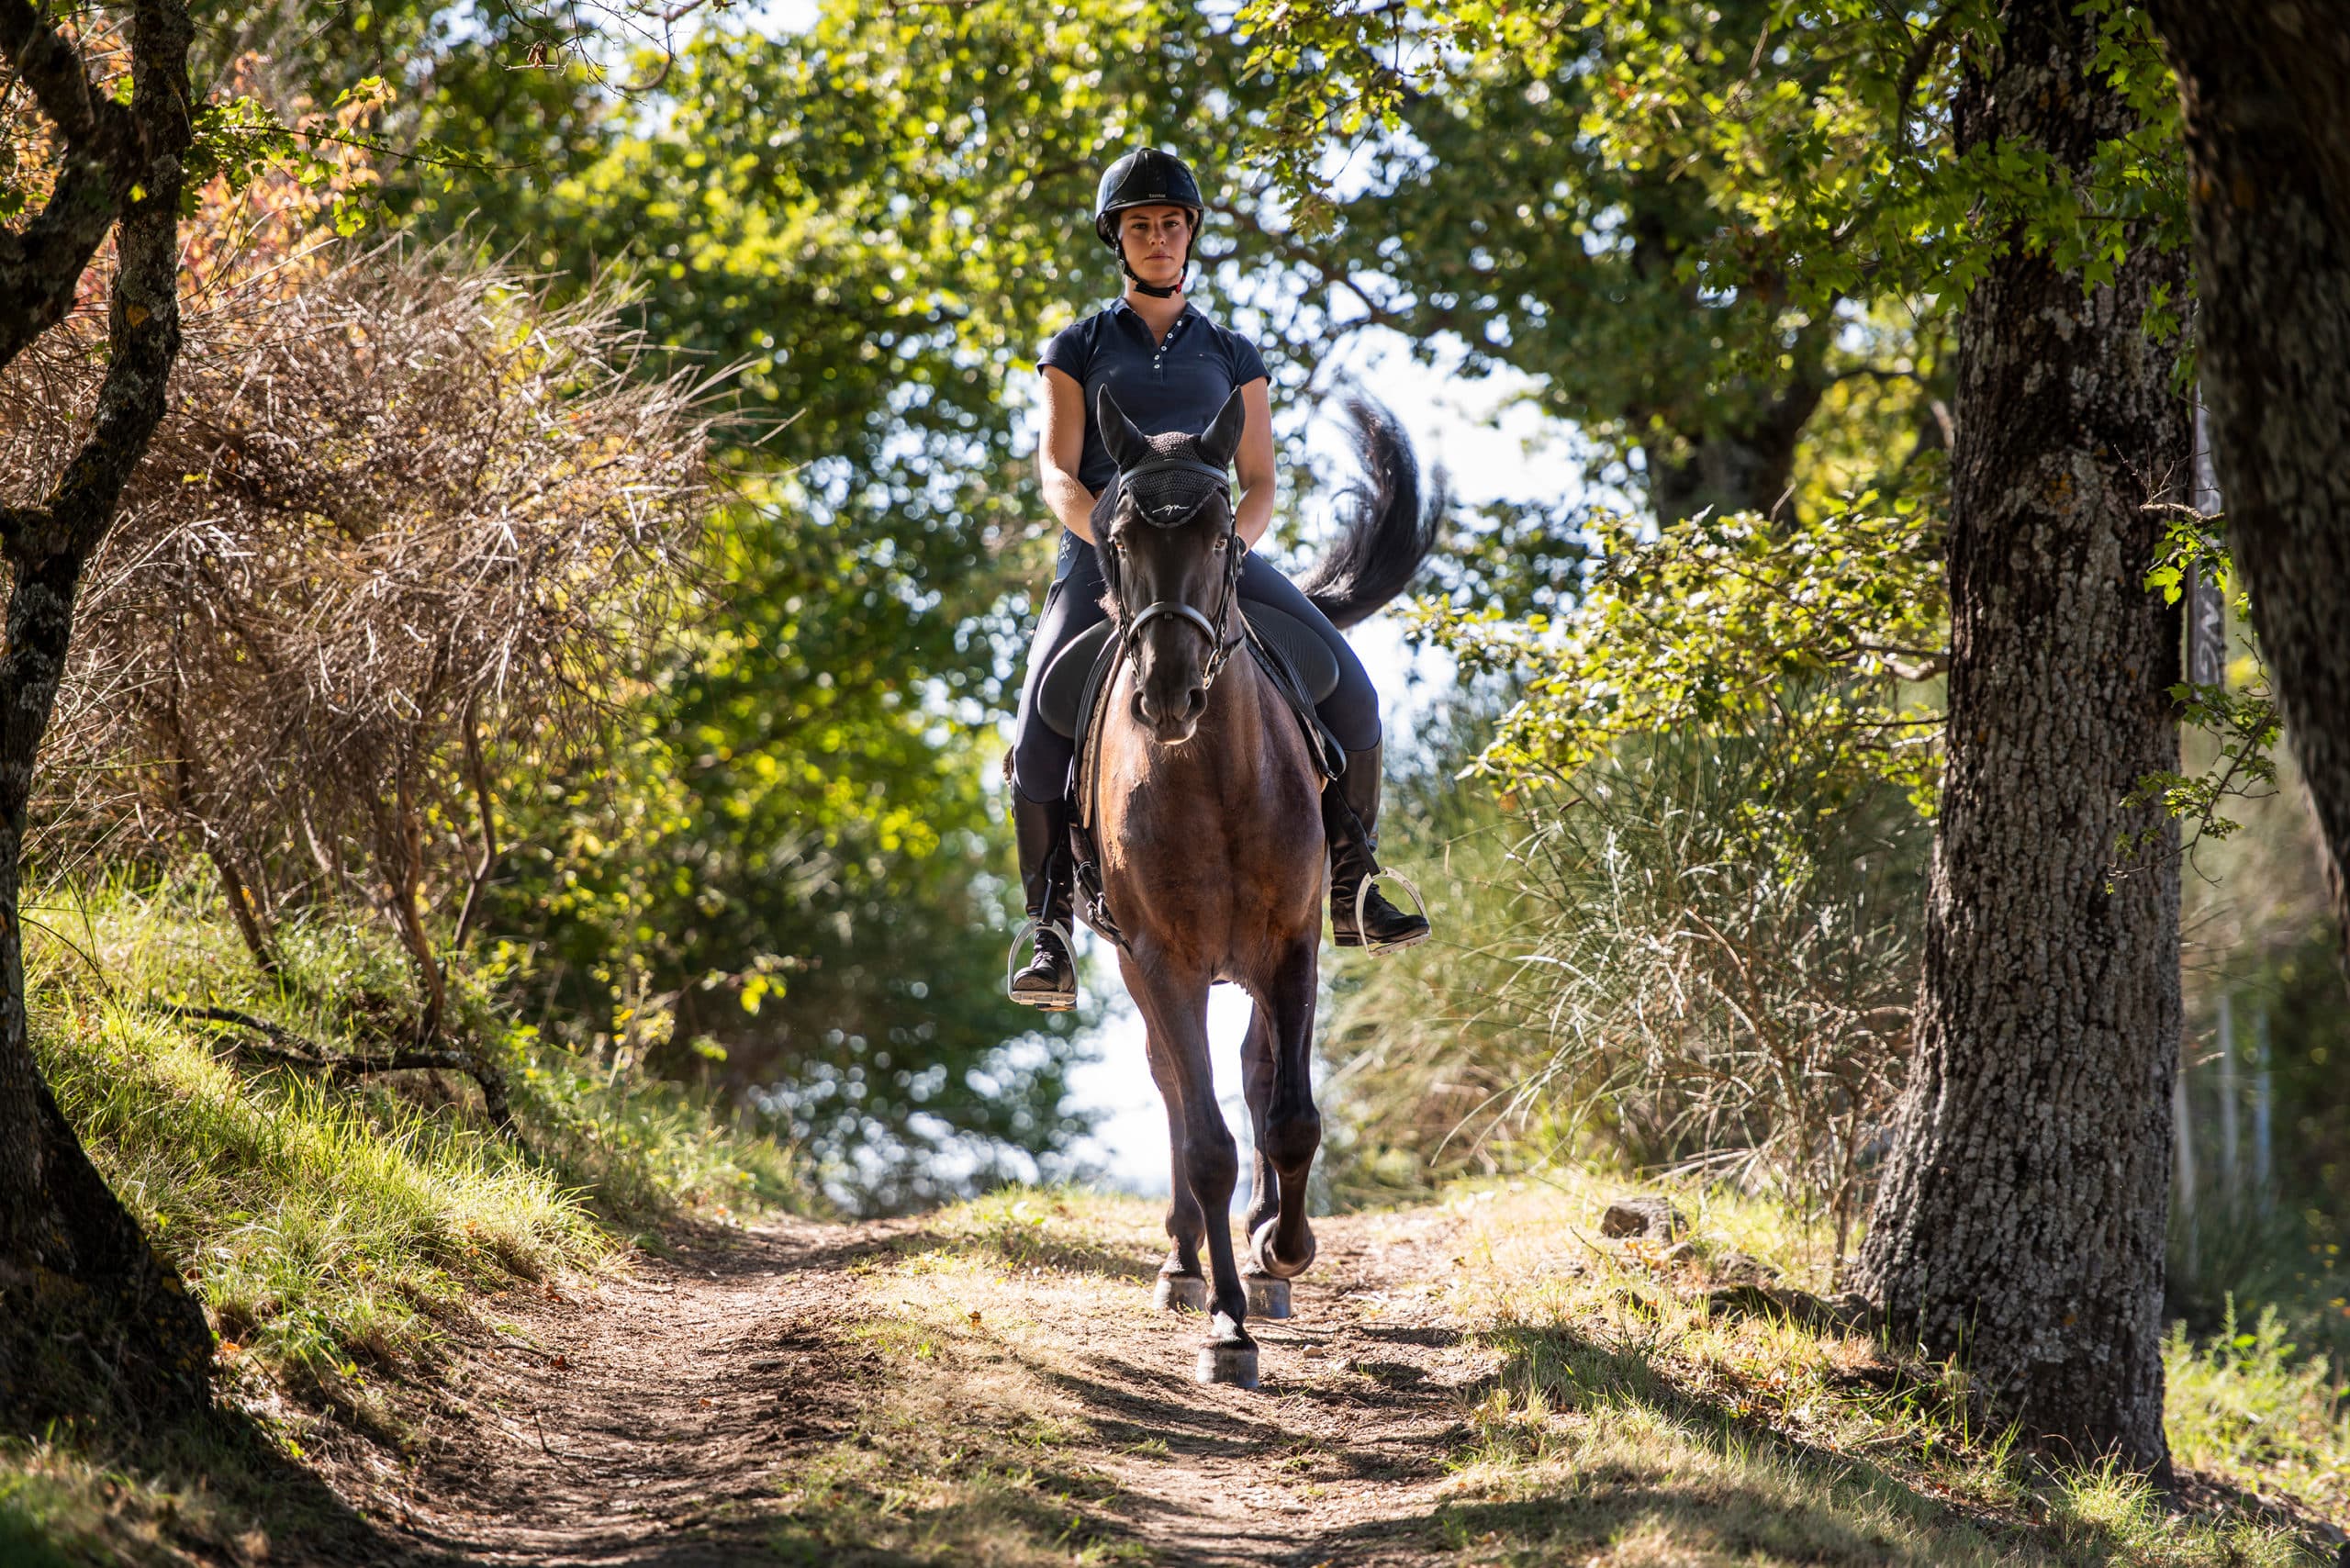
[89, 1308]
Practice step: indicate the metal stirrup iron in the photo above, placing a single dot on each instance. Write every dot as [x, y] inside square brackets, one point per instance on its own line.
[1045, 1001]
[1419, 907]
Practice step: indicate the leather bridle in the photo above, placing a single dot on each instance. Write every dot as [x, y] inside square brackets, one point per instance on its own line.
[1213, 628]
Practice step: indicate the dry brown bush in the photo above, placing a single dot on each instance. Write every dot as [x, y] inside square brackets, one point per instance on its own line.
[401, 509]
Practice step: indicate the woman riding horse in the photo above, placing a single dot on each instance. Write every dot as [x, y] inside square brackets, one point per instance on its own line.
[1171, 369]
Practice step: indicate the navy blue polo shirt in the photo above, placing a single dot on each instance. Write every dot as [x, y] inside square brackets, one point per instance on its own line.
[1178, 385]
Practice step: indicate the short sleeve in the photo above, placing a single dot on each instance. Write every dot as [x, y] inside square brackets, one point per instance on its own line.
[1247, 365]
[1071, 351]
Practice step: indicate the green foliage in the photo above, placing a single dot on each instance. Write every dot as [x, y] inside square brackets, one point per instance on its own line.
[2243, 717]
[1821, 630]
[1699, 226]
[773, 876]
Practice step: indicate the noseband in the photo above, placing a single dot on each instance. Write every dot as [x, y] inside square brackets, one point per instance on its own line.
[1174, 514]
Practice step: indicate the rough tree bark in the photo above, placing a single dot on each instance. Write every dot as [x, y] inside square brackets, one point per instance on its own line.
[85, 1304]
[2020, 1220]
[2269, 154]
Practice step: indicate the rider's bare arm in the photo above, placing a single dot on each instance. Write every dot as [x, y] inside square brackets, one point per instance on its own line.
[1253, 465]
[1060, 451]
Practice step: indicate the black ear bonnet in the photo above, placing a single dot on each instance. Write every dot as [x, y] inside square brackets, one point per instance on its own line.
[1169, 492]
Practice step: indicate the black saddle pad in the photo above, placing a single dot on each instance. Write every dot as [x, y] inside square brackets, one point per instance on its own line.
[1063, 690]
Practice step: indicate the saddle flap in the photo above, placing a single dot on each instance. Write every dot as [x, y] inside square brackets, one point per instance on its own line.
[1310, 658]
[1062, 694]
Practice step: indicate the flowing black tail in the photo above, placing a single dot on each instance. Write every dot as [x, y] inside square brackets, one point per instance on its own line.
[1389, 531]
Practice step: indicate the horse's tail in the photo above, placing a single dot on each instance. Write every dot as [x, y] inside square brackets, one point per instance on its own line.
[1390, 528]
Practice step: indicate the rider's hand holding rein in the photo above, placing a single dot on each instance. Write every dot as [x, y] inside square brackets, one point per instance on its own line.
[1157, 241]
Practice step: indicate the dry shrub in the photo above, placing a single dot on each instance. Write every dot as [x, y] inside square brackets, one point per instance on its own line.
[1697, 950]
[403, 507]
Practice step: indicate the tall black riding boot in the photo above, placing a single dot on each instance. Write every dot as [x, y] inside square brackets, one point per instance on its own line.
[1048, 979]
[1350, 819]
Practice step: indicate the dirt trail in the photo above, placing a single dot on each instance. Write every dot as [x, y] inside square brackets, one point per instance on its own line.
[666, 1417]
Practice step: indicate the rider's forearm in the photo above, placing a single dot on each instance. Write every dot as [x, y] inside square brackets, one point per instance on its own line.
[1255, 513]
[1072, 502]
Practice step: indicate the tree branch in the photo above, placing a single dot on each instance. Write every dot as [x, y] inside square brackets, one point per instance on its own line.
[40, 265]
[278, 1042]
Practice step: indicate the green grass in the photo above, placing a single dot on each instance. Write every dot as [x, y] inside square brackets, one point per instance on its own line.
[328, 1225]
[2247, 1405]
[1634, 1422]
[334, 1231]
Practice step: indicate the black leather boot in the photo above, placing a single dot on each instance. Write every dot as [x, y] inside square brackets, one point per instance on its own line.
[1350, 819]
[1048, 979]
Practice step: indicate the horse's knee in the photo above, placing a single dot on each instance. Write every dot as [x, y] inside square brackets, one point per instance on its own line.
[1214, 1162]
[1291, 1141]
[1186, 1221]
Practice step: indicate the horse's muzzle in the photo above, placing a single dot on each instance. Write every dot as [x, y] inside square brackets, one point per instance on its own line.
[1171, 722]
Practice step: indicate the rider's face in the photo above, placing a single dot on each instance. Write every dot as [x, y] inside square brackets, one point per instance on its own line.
[1155, 238]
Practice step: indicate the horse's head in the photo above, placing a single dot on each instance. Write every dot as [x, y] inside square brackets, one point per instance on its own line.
[1172, 560]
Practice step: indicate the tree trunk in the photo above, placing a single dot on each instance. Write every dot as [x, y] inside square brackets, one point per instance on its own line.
[2269, 154]
[87, 1310]
[2020, 1219]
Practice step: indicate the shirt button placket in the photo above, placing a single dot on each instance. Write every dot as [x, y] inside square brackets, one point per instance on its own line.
[1158, 360]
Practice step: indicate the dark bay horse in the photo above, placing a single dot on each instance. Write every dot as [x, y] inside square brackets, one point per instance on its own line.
[1205, 798]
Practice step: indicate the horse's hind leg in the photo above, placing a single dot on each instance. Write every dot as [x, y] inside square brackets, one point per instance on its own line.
[1268, 1296]
[1288, 1130]
[1174, 1009]
[1182, 1286]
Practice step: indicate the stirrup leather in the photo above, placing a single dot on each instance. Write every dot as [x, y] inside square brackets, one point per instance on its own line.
[1047, 1001]
[1419, 907]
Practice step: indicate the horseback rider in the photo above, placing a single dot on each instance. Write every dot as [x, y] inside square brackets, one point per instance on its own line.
[1170, 368]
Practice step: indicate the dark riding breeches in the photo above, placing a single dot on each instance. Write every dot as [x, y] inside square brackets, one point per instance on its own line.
[1040, 759]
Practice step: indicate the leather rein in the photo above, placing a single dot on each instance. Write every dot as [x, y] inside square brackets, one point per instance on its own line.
[1212, 629]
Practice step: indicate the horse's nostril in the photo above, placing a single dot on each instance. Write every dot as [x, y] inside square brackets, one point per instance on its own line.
[1194, 701]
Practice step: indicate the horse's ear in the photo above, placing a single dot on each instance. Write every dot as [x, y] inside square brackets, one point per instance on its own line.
[1221, 439]
[1125, 444]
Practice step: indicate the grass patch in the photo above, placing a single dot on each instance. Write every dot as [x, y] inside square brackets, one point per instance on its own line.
[334, 1230]
[1632, 1422]
[2247, 1407]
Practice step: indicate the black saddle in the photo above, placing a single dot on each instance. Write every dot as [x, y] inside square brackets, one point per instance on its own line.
[1060, 700]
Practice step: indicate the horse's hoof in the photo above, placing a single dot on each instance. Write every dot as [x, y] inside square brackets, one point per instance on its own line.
[1181, 1293]
[1268, 1297]
[1260, 1252]
[1229, 1356]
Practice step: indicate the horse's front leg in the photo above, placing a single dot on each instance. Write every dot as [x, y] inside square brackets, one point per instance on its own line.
[1174, 1008]
[1288, 1130]
[1268, 1296]
[1182, 1285]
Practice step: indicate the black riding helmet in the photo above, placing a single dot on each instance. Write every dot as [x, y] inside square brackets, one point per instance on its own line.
[1146, 177]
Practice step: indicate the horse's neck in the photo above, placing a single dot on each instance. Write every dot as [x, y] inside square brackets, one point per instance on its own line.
[1246, 744]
